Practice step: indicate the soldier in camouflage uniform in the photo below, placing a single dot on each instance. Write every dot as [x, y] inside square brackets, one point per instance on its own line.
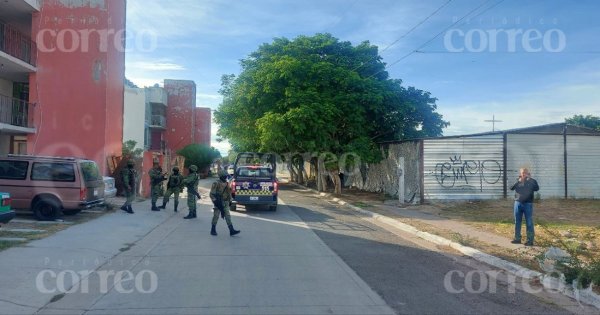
[156, 179]
[174, 187]
[191, 182]
[129, 175]
[220, 194]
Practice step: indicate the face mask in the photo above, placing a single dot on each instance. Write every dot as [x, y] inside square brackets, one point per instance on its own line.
[175, 172]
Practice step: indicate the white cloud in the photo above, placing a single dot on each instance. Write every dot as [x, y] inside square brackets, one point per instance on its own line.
[157, 66]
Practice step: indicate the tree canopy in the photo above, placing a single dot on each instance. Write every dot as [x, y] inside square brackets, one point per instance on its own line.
[200, 155]
[588, 121]
[321, 94]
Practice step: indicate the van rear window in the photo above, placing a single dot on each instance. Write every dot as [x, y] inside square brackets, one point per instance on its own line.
[254, 172]
[90, 171]
[13, 169]
[56, 172]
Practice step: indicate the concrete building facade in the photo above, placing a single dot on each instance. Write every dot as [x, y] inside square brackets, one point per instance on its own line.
[61, 79]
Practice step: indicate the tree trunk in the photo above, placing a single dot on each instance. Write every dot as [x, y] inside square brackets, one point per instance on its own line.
[290, 167]
[337, 181]
[300, 165]
[321, 176]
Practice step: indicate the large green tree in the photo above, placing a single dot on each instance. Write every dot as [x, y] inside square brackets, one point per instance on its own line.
[588, 121]
[200, 155]
[319, 94]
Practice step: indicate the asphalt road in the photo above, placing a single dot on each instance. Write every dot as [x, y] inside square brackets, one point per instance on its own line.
[409, 277]
[309, 257]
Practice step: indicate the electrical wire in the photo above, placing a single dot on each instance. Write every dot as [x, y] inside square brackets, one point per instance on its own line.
[440, 33]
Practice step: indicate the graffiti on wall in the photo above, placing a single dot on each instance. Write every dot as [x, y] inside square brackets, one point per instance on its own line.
[459, 173]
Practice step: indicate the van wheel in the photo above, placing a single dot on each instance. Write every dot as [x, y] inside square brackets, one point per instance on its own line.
[71, 212]
[46, 210]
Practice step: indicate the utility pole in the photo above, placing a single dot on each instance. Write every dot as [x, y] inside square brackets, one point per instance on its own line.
[493, 121]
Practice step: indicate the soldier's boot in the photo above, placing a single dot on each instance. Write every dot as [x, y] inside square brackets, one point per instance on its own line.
[190, 215]
[124, 207]
[194, 214]
[233, 231]
[175, 205]
[213, 230]
[164, 205]
[154, 208]
[129, 209]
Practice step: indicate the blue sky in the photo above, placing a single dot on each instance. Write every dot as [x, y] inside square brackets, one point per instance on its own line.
[528, 62]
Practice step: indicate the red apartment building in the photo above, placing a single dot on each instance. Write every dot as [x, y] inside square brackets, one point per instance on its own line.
[61, 78]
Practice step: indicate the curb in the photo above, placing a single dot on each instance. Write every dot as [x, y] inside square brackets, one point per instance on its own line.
[548, 282]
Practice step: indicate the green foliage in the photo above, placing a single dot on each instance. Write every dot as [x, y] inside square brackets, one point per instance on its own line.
[319, 94]
[199, 154]
[129, 149]
[588, 121]
[582, 267]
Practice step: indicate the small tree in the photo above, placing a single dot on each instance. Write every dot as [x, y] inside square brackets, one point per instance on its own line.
[200, 155]
[129, 149]
[587, 121]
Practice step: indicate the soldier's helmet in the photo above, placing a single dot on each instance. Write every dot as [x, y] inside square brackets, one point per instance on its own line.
[193, 168]
[131, 162]
[175, 169]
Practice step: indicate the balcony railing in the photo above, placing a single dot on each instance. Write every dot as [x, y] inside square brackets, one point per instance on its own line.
[16, 112]
[17, 44]
[158, 121]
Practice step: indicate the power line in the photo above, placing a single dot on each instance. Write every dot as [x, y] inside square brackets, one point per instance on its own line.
[442, 32]
[414, 27]
[406, 34]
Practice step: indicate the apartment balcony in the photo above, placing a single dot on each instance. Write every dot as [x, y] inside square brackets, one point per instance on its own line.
[158, 121]
[17, 50]
[156, 95]
[16, 116]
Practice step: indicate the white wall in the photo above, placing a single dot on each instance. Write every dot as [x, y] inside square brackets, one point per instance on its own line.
[582, 166]
[134, 116]
[543, 155]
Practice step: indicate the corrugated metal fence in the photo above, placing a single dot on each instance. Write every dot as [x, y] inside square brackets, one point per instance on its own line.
[463, 168]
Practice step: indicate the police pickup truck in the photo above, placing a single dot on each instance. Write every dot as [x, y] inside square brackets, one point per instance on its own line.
[254, 181]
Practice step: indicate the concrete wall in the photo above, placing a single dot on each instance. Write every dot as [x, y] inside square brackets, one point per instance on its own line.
[134, 116]
[79, 83]
[4, 144]
[6, 87]
[181, 102]
[202, 125]
[383, 177]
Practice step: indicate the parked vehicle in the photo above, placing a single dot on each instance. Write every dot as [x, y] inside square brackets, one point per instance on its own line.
[48, 185]
[6, 213]
[110, 189]
[254, 181]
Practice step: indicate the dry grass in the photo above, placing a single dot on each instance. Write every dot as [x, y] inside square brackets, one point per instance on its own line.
[569, 224]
